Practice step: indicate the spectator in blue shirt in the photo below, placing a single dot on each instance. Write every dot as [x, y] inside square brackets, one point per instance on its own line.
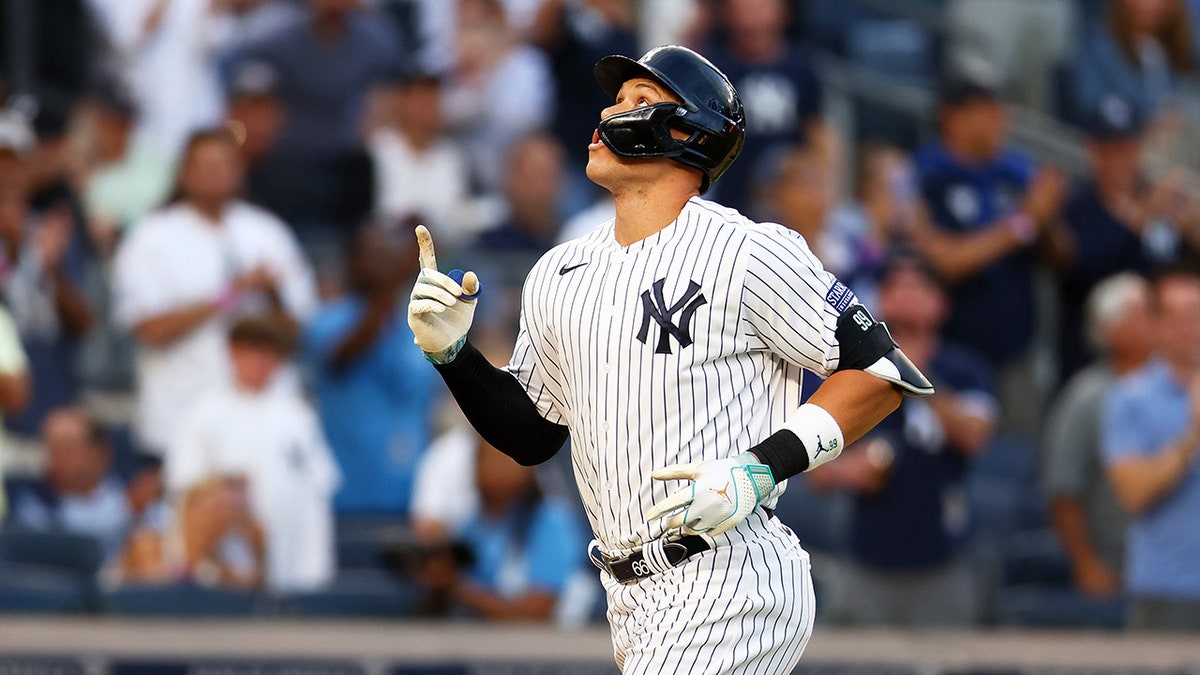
[993, 217]
[1151, 439]
[907, 477]
[778, 87]
[372, 389]
[1119, 221]
[79, 492]
[1140, 51]
[527, 549]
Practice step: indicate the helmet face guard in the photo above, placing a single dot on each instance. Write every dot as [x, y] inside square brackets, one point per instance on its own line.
[642, 132]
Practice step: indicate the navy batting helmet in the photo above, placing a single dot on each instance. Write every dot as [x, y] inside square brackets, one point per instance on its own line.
[711, 111]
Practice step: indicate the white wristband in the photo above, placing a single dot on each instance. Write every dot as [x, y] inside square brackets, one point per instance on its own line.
[820, 433]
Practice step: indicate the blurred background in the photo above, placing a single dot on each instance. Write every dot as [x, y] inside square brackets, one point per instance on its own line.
[211, 402]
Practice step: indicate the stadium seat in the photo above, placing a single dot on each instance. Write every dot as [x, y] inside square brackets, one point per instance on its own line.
[1037, 606]
[33, 589]
[58, 550]
[364, 593]
[180, 600]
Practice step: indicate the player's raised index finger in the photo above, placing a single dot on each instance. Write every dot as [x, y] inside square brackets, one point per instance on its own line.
[425, 247]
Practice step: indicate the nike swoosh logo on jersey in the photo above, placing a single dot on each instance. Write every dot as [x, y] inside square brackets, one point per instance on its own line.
[564, 269]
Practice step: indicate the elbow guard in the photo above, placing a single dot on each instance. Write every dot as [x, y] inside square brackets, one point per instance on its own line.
[866, 345]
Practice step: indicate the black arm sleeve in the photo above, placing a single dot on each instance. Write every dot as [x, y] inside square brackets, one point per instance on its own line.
[496, 405]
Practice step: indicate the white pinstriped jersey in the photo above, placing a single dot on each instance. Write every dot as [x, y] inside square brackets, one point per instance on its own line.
[685, 346]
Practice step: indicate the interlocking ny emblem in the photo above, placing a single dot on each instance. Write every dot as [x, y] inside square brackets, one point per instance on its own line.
[654, 306]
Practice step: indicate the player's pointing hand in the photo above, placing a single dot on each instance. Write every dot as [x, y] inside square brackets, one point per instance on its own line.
[442, 306]
[722, 494]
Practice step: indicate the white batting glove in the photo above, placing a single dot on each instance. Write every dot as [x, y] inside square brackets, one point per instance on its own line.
[722, 494]
[440, 309]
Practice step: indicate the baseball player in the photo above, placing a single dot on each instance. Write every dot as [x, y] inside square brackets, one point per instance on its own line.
[669, 345]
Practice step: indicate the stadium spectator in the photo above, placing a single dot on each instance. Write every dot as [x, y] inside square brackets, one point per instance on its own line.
[213, 541]
[186, 269]
[372, 389]
[498, 91]
[1140, 52]
[527, 550]
[885, 208]
[574, 36]
[1150, 441]
[794, 187]
[128, 177]
[165, 55]
[778, 87]
[1083, 510]
[910, 509]
[266, 437]
[533, 182]
[419, 170]
[78, 493]
[321, 180]
[992, 212]
[256, 118]
[41, 264]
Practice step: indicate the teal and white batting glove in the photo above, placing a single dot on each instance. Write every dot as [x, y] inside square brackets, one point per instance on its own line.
[722, 494]
[441, 308]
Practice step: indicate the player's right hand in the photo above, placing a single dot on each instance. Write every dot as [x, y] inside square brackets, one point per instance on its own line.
[440, 308]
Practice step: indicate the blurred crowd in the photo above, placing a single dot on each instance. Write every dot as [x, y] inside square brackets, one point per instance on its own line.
[206, 214]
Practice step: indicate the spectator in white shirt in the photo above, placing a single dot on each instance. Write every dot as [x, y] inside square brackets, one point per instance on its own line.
[500, 90]
[271, 437]
[187, 269]
[419, 170]
[167, 50]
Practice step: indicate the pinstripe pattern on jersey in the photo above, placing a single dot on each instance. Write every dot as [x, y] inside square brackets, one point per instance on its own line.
[746, 608]
[631, 410]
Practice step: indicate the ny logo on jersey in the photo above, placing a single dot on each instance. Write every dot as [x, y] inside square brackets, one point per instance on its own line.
[654, 306]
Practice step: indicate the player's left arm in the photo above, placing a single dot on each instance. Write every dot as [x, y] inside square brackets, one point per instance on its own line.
[805, 315]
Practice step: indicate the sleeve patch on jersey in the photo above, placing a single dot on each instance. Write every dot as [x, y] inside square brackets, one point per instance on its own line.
[839, 297]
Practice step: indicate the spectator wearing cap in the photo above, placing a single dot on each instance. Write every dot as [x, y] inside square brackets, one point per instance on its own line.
[256, 118]
[1089, 522]
[372, 387]
[420, 171]
[778, 87]
[191, 268]
[1150, 441]
[1140, 51]
[41, 268]
[993, 216]
[907, 476]
[268, 439]
[320, 177]
[499, 89]
[1112, 220]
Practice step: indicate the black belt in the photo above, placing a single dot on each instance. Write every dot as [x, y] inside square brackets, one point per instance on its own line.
[635, 566]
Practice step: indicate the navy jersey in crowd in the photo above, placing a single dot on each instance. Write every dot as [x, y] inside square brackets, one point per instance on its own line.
[781, 98]
[920, 518]
[1103, 246]
[993, 311]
